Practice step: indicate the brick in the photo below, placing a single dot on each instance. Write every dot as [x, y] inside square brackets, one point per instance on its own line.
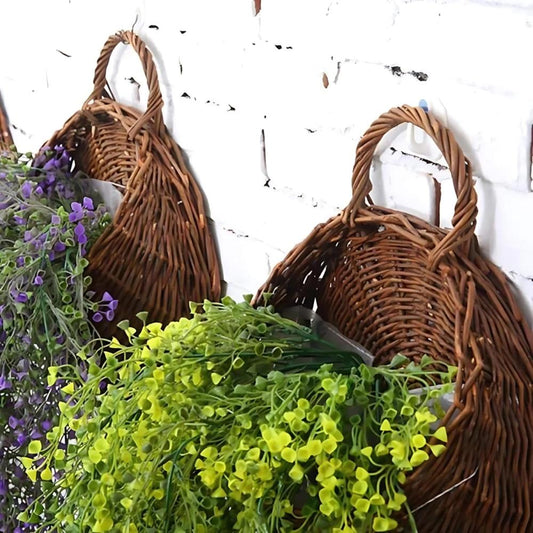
[505, 221]
[359, 30]
[209, 20]
[246, 262]
[223, 147]
[402, 188]
[314, 163]
[216, 74]
[287, 83]
[298, 23]
[472, 42]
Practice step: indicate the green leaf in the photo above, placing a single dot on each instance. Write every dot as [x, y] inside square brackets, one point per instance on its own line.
[441, 434]
[385, 426]
[418, 457]
[143, 316]
[384, 524]
[34, 447]
[228, 301]
[367, 451]
[418, 441]
[407, 410]
[123, 325]
[437, 449]
[27, 462]
[398, 360]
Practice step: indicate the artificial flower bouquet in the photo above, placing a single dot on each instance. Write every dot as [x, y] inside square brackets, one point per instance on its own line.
[235, 419]
[47, 310]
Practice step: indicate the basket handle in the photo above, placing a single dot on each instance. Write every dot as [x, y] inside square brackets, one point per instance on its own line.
[155, 100]
[464, 218]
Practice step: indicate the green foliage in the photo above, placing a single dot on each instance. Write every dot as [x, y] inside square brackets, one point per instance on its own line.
[45, 309]
[211, 424]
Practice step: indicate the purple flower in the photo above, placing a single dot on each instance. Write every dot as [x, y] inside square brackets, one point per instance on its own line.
[40, 158]
[56, 219]
[19, 473]
[79, 232]
[110, 302]
[20, 261]
[39, 190]
[22, 368]
[75, 216]
[62, 157]
[76, 207]
[26, 189]
[36, 399]
[47, 425]
[110, 315]
[4, 383]
[36, 434]
[50, 165]
[3, 487]
[19, 220]
[59, 246]
[3, 175]
[38, 280]
[28, 236]
[21, 438]
[21, 298]
[14, 422]
[98, 317]
[88, 203]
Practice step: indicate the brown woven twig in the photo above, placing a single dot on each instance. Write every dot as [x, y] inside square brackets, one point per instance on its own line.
[6, 141]
[398, 284]
[159, 253]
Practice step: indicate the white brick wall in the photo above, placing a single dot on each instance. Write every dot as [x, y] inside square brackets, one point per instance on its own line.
[270, 144]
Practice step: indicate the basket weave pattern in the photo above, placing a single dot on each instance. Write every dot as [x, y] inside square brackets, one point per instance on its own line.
[5, 133]
[159, 253]
[398, 284]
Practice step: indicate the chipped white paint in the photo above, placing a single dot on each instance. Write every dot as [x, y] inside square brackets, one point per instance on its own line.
[269, 108]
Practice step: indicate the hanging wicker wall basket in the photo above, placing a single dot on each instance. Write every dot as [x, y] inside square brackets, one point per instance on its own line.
[159, 253]
[397, 284]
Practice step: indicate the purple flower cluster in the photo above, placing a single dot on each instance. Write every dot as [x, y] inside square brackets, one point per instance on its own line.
[50, 162]
[42, 267]
[80, 212]
[107, 307]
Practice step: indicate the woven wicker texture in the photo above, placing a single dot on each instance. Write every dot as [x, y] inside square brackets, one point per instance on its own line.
[5, 133]
[396, 283]
[159, 253]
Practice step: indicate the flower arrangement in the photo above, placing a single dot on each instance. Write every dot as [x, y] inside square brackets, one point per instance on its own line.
[45, 306]
[235, 418]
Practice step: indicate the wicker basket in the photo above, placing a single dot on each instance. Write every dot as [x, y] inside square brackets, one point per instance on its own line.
[159, 253]
[396, 283]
